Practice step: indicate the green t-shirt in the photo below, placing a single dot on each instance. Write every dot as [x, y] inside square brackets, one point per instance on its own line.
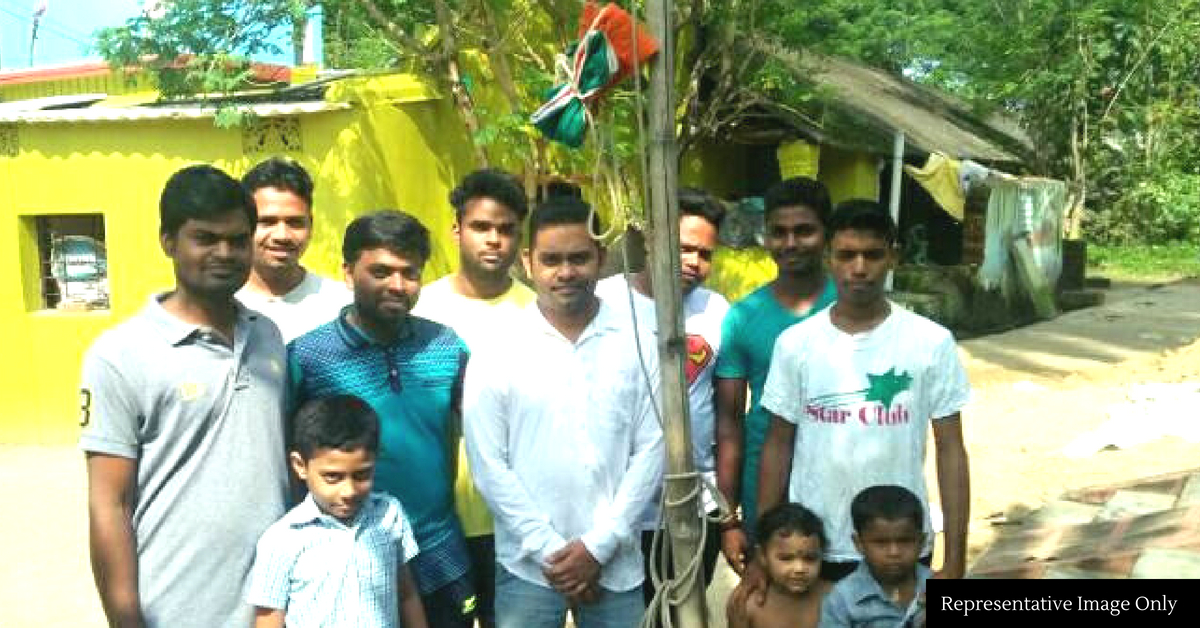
[747, 339]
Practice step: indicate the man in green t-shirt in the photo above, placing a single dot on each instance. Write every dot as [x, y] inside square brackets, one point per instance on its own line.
[794, 215]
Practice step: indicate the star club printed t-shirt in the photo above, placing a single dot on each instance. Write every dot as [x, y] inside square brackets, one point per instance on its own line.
[862, 406]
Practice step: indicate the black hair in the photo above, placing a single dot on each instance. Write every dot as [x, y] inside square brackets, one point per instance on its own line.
[562, 210]
[201, 192]
[391, 229]
[798, 192]
[342, 422]
[887, 502]
[283, 174]
[791, 518]
[492, 183]
[558, 187]
[694, 202]
[862, 215]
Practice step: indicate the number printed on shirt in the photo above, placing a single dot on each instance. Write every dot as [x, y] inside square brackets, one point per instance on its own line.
[85, 407]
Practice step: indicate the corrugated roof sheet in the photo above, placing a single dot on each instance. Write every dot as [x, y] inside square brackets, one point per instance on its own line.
[130, 114]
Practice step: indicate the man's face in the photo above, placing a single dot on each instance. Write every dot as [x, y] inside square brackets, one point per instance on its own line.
[487, 236]
[339, 481]
[385, 284]
[859, 262]
[283, 231]
[697, 241]
[890, 548]
[211, 257]
[564, 265]
[795, 239]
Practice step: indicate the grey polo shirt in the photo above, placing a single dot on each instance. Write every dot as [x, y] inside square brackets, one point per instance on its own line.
[205, 423]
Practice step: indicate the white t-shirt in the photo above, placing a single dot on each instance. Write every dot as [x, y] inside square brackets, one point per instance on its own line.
[862, 405]
[315, 301]
[703, 311]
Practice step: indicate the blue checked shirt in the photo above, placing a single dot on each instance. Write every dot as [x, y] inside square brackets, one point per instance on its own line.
[324, 573]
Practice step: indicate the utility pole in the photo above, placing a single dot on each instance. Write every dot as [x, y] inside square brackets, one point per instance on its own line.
[682, 496]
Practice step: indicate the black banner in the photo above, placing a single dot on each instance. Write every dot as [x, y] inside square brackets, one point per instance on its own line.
[1081, 602]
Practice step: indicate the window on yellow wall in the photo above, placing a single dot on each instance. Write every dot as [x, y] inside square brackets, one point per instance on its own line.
[72, 262]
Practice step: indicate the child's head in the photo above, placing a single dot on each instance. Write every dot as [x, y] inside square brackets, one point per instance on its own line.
[888, 531]
[334, 443]
[792, 541]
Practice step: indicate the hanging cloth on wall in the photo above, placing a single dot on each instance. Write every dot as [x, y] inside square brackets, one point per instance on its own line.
[604, 55]
[940, 177]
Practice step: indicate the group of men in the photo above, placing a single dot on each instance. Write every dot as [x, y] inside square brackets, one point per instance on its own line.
[518, 426]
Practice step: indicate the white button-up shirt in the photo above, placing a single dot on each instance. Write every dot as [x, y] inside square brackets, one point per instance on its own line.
[564, 443]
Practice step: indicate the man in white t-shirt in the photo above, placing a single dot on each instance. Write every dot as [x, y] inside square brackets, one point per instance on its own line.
[279, 287]
[479, 302]
[700, 217]
[852, 392]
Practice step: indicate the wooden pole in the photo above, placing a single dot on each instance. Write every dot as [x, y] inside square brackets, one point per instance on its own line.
[683, 521]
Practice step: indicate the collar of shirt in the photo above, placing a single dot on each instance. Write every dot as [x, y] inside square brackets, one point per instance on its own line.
[176, 331]
[867, 587]
[605, 321]
[308, 513]
[358, 339]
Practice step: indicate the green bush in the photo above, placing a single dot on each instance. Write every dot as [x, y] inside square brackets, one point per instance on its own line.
[1159, 209]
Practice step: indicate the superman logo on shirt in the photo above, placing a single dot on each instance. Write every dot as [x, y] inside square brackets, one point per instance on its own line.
[699, 355]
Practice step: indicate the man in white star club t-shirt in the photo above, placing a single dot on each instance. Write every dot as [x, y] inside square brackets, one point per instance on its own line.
[852, 392]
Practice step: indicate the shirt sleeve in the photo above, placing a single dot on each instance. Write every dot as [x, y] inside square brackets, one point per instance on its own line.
[783, 392]
[486, 417]
[732, 362]
[109, 410]
[949, 389]
[641, 481]
[403, 533]
[270, 577]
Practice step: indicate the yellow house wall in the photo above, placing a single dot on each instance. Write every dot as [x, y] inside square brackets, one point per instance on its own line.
[849, 174]
[389, 155]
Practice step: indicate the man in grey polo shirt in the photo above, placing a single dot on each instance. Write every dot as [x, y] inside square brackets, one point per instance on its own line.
[182, 413]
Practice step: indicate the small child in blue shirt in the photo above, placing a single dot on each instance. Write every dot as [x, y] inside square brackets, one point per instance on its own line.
[887, 589]
[340, 557]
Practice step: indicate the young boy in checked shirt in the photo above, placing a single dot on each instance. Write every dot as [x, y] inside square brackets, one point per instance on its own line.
[340, 557]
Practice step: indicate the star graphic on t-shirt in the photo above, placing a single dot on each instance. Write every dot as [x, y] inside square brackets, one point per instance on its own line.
[886, 386]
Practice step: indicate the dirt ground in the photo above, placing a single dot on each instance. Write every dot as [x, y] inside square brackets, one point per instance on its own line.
[1036, 389]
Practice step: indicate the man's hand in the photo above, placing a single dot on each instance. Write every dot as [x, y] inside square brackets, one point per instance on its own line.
[572, 569]
[950, 572]
[590, 595]
[735, 545]
[754, 583]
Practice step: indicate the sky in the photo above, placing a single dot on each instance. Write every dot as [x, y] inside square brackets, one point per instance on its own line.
[65, 32]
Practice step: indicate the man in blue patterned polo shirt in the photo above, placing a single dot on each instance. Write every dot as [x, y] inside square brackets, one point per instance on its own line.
[409, 370]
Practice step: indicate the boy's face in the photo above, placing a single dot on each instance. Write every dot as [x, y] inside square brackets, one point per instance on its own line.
[859, 262]
[793, 561]
[338, 480]
[795, 238]
[891, 548]
[488, 236]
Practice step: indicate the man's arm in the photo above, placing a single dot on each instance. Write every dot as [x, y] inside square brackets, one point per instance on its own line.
[412, 613]
[268, 617]
[111, 491]
[954, 486]
[776, 465]
[730, 405]
[642, 479]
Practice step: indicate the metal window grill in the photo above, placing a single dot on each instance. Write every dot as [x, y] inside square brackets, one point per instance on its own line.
[73, 262]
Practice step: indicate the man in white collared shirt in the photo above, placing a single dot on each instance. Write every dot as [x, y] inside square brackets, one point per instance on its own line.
[563, 440]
